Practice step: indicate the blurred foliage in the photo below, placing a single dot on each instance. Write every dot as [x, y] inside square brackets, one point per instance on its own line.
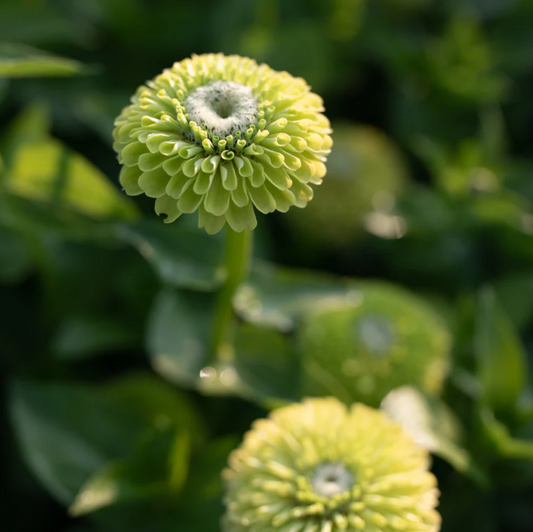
[115, 414]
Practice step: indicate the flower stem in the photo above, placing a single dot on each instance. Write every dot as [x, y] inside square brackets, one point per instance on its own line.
[238, 258]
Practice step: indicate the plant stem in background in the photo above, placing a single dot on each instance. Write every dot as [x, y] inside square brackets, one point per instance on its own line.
[238, 258]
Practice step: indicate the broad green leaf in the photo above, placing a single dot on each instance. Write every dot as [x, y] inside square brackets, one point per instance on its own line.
[500, 356]
[80, 336]
[500, 436]
[21, 61]
[157, 466]
[45, 170]
[275, 297]
[41, 218]
[183, 257]
[178, 335]
[260, 366]
[158, 403]
[433, 426]
[69, 431]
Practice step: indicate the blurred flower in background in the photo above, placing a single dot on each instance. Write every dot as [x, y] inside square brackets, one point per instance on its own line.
[360, 348]
[366, 172]
[321, 466]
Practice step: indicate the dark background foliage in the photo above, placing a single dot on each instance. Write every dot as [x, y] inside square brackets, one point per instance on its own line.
[102, 307]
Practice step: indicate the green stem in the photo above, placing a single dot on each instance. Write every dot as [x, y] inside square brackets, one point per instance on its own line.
[238, 258]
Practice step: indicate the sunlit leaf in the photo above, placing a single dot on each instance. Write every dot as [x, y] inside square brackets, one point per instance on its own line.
[48, 171]
[433, 426]
[148, 472]
[21, 61]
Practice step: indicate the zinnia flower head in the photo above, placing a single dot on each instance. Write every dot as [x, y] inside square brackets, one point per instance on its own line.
[361, 348]
[220, 135]
[366, 172]
[319, 466]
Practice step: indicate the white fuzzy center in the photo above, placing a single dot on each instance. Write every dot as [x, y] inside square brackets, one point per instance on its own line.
[223, 107]
[331, 479]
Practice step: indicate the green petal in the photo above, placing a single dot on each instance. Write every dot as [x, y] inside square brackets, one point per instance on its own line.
[239, 196]
[154, 183]
[292, 162]
[229, 177]
[218, 198]
[173, 166]
[212, 224]
[167, 207]
[306, 172]
[279, 178]
[172, 147]
[284, 198]
[153, 142]
[303, 193]
[262, 199]
[151, 161]
[189, 201]
[177, 185]
[258, 177]
[190, 151]
[272, 158]
[210, 164]
[123, 133]
[129, 179]
[241, 218]
[191, 167]
[244, 166]
[203, 182]
[131, 153]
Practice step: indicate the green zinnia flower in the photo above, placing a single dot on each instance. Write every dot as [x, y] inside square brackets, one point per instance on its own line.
[361, 348]
[366, 172]
[218, 134]
[321, 467]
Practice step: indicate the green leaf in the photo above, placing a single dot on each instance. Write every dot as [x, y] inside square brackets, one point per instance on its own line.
[158, 465]
[45, 170]
[158, 403]
[275, 297]
[433, 426]
[260, 366]
[67, 432]
[504, 443]
[83, 335]
[21, 61]
[178, 335]
[500, 356]
[183, 257]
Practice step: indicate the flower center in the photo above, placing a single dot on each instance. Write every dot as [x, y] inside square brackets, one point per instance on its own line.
[376, 334]
[222, 107]
[331, 479]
